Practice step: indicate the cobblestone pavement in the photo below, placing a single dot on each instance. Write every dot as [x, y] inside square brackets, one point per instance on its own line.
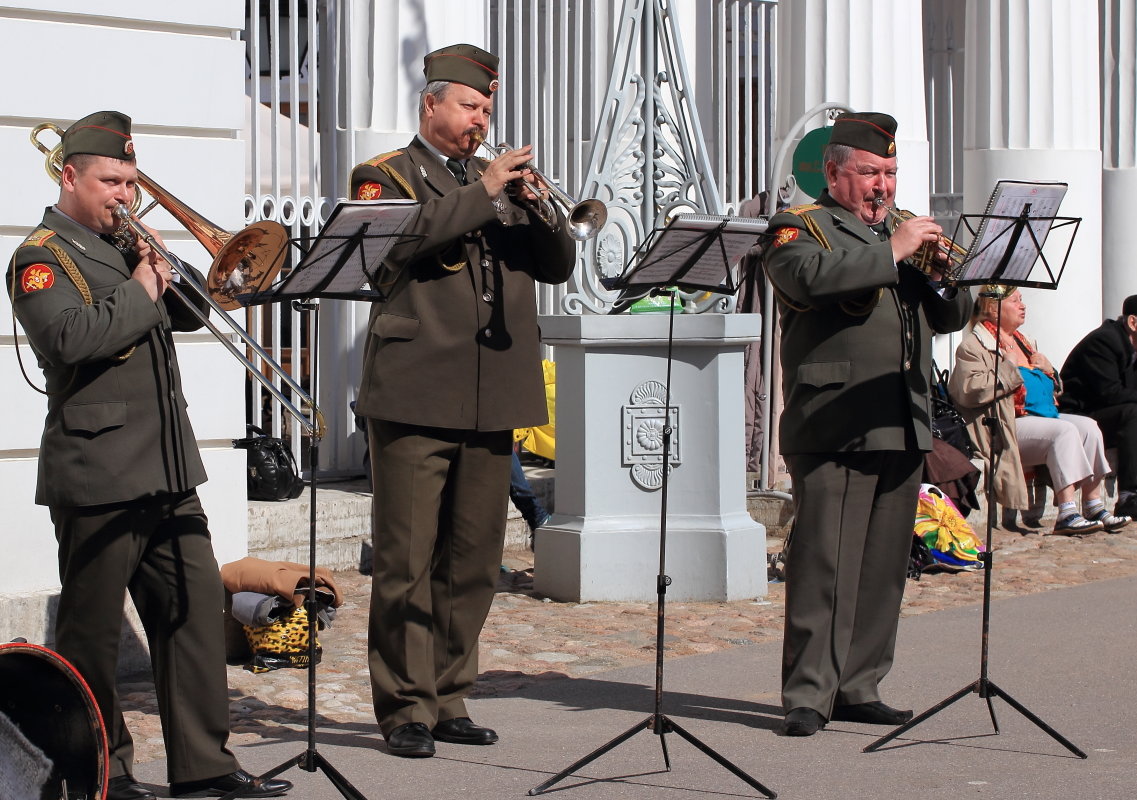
[528, 638]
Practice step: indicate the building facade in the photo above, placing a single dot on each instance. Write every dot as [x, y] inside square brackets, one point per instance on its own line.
[650, 105]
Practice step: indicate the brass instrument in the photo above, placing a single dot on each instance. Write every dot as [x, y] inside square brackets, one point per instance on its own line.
[242, 261]
[925, 258]
[585, 219]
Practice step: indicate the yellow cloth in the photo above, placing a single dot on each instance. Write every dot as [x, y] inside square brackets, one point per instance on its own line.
[542, 440]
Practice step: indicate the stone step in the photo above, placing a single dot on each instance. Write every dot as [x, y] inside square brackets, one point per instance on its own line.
[280, 531]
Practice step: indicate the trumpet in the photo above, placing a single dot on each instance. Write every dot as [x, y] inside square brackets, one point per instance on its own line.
[250, 258]
[926, 258]
[585, 218]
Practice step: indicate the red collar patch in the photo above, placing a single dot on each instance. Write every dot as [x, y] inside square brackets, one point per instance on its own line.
[36, 277]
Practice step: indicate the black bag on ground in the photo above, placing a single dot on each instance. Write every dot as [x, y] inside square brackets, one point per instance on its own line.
[947, 424]
[272, 471]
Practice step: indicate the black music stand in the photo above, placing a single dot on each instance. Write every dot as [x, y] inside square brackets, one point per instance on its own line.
[337, 265]
[1001, 254]
[694, 252]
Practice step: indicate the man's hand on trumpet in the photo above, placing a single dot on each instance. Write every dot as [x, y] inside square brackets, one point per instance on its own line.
[912, 234]
[510, 172]
[152, 271]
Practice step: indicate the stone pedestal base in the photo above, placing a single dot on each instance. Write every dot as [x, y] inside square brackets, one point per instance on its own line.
[603, 542]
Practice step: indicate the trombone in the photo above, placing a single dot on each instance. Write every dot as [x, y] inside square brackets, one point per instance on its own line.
[249, 258]
[585, 219]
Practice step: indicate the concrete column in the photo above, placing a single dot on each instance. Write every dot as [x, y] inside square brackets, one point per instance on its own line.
[1119, 150]
[1032, 114]
[604, 539]
[868, 55]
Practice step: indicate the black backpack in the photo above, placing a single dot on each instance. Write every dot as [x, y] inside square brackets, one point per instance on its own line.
[272, 472]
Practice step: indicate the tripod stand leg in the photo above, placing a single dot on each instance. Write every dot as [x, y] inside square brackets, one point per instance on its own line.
[916, 720]
[662, 733]
[1019, 707]
[339, 781]
[595, 754]
[985, 693]
[671, 726]
[309, 761]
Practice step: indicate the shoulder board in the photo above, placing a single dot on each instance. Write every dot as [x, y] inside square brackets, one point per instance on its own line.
[374, 162]
[797, 211]
[37, 238]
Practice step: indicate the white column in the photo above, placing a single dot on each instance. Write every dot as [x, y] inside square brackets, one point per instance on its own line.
[1032, 114]
[1119, 146]
[868, 55]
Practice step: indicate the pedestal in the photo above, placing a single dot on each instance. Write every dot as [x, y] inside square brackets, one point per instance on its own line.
[603, 541]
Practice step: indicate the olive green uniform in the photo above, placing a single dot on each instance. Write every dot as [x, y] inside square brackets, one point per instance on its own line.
[452, 365]
[118, 464]
[855, 353]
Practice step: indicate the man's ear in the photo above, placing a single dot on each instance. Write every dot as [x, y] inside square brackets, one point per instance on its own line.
[1131, 323]
[67, 177]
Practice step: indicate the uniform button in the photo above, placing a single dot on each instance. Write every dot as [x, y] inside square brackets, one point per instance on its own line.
[487, 295]
[487, 333]
[485, 264]
[907, 364]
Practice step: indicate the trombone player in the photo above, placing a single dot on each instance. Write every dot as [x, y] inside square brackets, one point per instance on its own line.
[452, 365]
[119, 466]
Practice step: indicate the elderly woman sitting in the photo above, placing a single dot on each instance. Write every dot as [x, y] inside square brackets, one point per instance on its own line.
[1028, 422]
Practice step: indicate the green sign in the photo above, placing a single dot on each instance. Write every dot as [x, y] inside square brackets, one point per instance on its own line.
[807, 166]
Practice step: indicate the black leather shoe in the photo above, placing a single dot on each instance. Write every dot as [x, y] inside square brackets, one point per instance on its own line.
[124, 787]
[802, 722]
[873, 713]
[461, 730]
[250, 786]
[412, 740]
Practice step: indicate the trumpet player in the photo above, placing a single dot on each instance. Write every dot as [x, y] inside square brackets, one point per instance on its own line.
[452, 365]
[119, 467]
[856, 320]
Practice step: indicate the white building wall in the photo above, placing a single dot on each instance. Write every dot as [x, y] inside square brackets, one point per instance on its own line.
[1032, 113]
[178, 70]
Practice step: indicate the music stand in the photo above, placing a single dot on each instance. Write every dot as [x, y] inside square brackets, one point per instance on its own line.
[694, 252]
[1000, 254]
[337, 265]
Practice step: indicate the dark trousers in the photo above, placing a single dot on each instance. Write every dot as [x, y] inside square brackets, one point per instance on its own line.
[440, 501]
[1119, 430]
[159, 550]
[845, 573]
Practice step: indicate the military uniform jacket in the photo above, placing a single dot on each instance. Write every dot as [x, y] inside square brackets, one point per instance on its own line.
[855, 329]
[455, 343]
[116, 427]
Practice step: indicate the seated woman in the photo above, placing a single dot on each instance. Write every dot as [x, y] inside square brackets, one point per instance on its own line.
[1031, 429]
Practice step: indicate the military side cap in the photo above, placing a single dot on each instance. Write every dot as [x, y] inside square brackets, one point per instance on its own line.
[104, 133]
[869, 131]
[463, 63]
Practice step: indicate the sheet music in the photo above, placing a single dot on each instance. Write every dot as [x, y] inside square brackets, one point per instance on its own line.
[1008, 201]
[381, 219]
[666, 260]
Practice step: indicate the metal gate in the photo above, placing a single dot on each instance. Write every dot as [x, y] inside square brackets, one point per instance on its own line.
[660, 109]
